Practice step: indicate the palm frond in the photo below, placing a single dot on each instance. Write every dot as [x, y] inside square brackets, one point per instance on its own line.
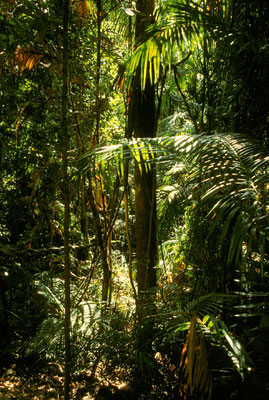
[229, 173]
[176, 25]
[173, 24]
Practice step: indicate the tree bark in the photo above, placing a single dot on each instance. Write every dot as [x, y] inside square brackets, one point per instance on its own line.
[66, 194]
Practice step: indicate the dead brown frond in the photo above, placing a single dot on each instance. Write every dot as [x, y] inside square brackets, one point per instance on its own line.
[85, 9]
[24, 58]
[194, 363]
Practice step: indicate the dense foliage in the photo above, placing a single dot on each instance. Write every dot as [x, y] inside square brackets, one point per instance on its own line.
[199, 328]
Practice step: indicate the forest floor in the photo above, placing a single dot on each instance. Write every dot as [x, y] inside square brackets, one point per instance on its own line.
[49, 386]
[39, 386]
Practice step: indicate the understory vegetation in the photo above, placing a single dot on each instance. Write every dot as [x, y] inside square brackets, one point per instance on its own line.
[134, 199]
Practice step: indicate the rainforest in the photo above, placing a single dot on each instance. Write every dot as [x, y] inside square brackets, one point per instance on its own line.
[134, 199]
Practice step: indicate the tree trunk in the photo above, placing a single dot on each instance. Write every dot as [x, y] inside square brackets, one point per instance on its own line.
[66, 194]
[142, 124]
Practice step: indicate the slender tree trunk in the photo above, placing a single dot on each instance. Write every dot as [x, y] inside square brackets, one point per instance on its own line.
[65, 145]
[101, 242]
[142, 124]
[98, 68]
[106, 285]
[81, 150]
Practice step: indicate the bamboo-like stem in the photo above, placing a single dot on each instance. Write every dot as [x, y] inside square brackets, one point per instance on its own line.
[130, 258]
[98, 68]
[66, 194]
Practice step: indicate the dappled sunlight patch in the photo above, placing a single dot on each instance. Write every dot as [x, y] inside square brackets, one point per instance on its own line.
[40, 386]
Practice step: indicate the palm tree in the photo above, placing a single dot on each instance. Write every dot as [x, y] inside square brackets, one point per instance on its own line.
[142, 124]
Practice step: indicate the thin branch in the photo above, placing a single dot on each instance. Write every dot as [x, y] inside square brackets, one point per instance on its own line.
[185, 101]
